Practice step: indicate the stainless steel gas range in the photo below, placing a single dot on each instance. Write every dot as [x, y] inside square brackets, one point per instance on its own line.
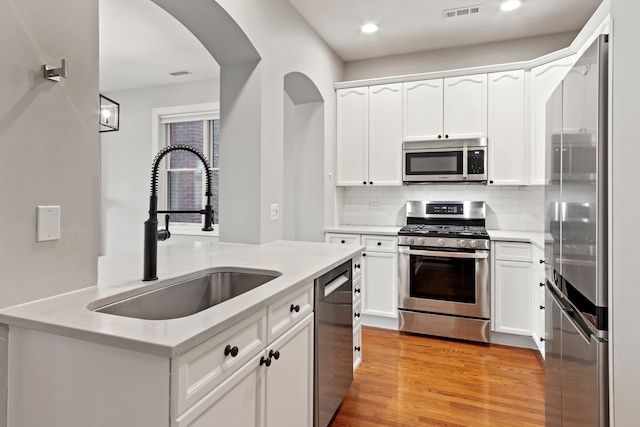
[443, 265]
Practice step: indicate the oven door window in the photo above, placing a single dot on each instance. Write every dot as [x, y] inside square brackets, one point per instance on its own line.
[434, 163]
[442, 278]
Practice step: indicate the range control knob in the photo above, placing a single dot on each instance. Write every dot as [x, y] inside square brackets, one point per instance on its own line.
[410, 240]
[462, 243]
[420, 241]
[440, 242]
[473, 244]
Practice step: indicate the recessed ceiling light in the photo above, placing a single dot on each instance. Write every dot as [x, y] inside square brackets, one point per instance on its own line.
[511, 5]
[369, 28]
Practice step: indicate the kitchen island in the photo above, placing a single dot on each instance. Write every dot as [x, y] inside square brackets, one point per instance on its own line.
[78, 367]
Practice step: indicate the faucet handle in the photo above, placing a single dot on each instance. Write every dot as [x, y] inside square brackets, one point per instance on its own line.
[165, 234]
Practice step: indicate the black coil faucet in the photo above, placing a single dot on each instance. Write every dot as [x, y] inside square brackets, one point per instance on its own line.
[151, 233]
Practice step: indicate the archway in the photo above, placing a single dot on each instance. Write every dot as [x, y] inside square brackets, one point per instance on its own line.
[303, 192]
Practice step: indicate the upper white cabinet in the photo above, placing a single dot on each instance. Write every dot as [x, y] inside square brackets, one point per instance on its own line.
[544, 80]
[450, 108]
[369, 140]
[507, 128]
[465, 106]
[422, 110]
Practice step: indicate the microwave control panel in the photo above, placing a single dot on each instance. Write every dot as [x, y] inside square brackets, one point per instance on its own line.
[476, 162]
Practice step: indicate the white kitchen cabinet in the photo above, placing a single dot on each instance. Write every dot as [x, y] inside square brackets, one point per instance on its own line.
[289, 378]
[465, 106]
[357, 311]
[506, 128]
[538, 298]
[422, 110]
[450, 108]
[353, 136]
[544, 80]
[511, 280]
[369, 139]
[379, 286]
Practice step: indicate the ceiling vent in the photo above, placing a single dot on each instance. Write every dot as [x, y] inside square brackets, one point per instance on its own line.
[180, 73]
[469, 10]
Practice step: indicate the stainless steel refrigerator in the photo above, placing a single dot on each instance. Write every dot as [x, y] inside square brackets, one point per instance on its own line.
[576, 346]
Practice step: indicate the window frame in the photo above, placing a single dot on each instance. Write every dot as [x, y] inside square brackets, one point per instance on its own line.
[161, 117]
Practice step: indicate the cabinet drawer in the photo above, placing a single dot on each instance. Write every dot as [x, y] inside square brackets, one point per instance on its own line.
[512, 251]
[357, 289]
[357, 347]
[203, 368]
[347, 239]
[357, 313]
[380, 243]
[285, 313]
[356, 265]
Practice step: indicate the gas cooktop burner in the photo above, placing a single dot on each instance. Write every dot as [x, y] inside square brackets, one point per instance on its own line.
[448, 230]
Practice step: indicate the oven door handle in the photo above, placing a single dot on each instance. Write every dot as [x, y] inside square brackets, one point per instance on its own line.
[469, 255]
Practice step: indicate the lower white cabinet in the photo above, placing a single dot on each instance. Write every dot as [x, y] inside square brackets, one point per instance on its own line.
[538, 299]
[380, 289]
[511, 302]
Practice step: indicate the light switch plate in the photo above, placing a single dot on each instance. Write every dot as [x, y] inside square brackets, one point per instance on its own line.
[48, 223]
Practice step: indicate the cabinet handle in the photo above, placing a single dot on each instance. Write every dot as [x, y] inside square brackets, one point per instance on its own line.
[356, 290]
[542, 307]
[233, 351]
[542, 284]
[274, 354]
[356, 348]
[295, 308]
[342, 241]
[541, 261]
[356, 314]
[264, 361]
[356, 265]
[541, 339]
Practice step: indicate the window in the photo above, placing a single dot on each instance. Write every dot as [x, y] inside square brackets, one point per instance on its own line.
[182, 179]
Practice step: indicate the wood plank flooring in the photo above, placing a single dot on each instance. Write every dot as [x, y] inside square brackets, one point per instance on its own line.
[410, 380]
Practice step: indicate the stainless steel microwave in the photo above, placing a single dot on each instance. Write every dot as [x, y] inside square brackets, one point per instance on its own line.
[457, 160]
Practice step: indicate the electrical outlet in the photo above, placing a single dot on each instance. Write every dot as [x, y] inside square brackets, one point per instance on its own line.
[47, 223]
[375, 206]
[275, 211]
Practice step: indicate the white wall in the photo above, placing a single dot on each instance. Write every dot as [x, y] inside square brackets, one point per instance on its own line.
[460, 57]
[625, 205]
[50, 153]
[508, 208]
[127, 156]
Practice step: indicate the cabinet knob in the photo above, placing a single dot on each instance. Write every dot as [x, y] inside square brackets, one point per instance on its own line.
[356, 348]
[446, 136]
[541, 284]
[342, 241]
[364, 182]
[379, 243]
[370, 182]
[274, 354]
[356, 290]
[266, 361]
[233, 351]
[542, 307]
[541, 339]
[541, 261]
[491, 182]
[295, 308]
[356, 314]
[439, 136]
[357, 265]
[363, 254]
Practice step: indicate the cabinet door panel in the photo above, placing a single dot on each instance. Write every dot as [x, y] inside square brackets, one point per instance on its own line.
[380, 284]
[422, 110]
[289, 384]
[512, 297]
[507, 128]
[353, 136]
[385, 134]
[465, 106]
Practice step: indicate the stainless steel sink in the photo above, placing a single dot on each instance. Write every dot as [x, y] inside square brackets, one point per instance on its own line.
[190, 296]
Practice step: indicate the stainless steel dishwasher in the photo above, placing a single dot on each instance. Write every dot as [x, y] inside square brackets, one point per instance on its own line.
[334, 342]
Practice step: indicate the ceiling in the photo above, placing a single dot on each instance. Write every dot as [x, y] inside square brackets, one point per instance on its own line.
[141, 44]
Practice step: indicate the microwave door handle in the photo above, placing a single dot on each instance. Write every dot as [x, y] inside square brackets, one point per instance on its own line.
[467, 255]
[465, 166]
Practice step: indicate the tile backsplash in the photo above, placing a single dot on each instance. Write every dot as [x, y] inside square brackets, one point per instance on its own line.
[508, 208]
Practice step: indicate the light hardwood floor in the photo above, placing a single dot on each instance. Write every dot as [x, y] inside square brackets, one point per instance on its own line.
[410, 380]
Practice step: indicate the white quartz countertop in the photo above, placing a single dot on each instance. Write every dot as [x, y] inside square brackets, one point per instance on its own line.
[364, 229]
[118, 276]
[518, 236]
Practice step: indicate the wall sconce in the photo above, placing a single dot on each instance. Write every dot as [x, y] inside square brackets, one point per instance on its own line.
[109, 114]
